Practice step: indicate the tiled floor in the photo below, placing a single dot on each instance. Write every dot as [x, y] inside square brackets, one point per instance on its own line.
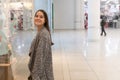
[73, 57]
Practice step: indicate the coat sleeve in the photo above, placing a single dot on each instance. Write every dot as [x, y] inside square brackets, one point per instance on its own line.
[42, 51]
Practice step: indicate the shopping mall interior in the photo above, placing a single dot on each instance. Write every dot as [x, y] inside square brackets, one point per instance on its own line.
[79, 52]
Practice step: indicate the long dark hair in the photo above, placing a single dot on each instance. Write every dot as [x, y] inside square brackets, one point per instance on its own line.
[46, 25]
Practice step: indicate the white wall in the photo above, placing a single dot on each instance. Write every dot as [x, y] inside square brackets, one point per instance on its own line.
[93, 20]
[79, 14]
[64, 14]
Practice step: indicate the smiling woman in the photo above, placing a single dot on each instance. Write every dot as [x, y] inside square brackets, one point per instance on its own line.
[40, 63]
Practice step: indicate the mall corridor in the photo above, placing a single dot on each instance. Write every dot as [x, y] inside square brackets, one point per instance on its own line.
[79, 51]
[74, 58]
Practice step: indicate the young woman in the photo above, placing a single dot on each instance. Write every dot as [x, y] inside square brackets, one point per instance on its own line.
[40, 64]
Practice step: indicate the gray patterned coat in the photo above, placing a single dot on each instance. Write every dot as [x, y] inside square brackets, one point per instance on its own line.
[40, 63]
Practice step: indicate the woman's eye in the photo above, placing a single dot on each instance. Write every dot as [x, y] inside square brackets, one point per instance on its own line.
[36, 15]
[39, 16]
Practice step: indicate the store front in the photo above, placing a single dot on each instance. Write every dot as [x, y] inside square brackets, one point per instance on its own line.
[14, 15]
[17, 15]
[108, 8]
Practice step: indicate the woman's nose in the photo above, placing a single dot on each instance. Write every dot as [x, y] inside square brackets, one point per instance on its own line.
[38, 18]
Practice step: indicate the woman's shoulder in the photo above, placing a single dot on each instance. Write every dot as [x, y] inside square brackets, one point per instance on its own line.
[44, 33]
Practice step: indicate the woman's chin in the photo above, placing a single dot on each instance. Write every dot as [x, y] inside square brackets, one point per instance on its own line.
[38, 24]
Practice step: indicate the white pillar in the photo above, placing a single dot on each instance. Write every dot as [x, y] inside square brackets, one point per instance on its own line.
[119, 6]
[50, 13]
[41, 4]
[93, 20]
[79, 14]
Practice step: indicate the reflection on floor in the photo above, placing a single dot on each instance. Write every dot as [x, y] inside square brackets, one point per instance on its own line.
[73, 57]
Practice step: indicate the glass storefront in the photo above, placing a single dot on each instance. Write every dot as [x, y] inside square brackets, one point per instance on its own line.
[15, 15]
[21, 15]
[18, 14]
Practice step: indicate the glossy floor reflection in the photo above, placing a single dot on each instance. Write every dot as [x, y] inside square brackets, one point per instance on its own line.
[73, 57]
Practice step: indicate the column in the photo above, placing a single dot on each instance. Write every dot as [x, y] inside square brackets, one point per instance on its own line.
[41, 4]
[79, 14]
[93, 20]
[119, 5]
[50, 13]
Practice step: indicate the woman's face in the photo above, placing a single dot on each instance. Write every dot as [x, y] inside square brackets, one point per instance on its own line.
[39, 19]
